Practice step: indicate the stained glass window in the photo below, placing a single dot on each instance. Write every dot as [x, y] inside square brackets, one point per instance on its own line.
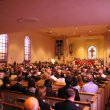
[92, 52]
[3, 47]
[27, 49]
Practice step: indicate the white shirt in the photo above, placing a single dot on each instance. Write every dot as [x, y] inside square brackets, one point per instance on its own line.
[78, 88]
[53, 77]
[90, 87]
[61, 80]
[103, 75]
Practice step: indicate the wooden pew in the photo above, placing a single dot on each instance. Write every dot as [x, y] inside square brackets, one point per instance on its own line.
[98, 100]
[53, 100]
[106, 94]
[9, 106]
[11, 97]
[93, 99]
[105, 91]
[102, 95]
[108, 86]
[101, 105]
[24, 83]
[86, 96]
[89, 97]
[56, 87]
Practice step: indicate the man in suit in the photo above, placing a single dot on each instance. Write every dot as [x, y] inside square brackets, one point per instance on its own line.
[68, 104]
[18, 86]
[61, 91]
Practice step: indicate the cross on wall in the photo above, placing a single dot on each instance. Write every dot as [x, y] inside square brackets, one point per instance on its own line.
[92, 52]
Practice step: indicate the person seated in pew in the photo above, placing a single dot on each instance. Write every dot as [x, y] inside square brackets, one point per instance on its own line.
[36, 76]
[61, 79]
[31, 103]
[44, 76]
[53, 77]
[61, 91]
[68, 104]
[40, 94]
[90, 86]
[18, 86]
[49, 91]
[103, 76]
[75, 84]
[98, 80]
[6, 83]
[80, 80]
[31, 87]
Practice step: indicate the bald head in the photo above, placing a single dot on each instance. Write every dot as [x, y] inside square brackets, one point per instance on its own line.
[31, 103]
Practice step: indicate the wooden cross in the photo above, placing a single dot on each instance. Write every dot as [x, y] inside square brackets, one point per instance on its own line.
[92, 51]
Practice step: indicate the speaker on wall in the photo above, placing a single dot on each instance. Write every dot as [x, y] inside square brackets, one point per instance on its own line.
[59, 48]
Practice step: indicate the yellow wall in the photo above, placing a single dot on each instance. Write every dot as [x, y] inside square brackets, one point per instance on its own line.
[81, 44]
[42, 47]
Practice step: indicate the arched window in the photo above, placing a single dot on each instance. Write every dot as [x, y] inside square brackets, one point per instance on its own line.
[92, 52]
[27, 49]
[3, 47]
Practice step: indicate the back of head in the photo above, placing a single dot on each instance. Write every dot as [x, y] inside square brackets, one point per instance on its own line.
[48, 83]
[19, 79]
[89, 77]
[45, 76]
[31, 83]
[68, 80]
[31, 103]
[40, 92]
[62, 75]
[70, 93]
[74, 81]
[6, 80]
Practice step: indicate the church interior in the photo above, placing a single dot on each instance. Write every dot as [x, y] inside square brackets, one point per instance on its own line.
[66, 37]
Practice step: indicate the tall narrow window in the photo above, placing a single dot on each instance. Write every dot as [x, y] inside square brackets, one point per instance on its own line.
[3, 47]
[27, 49]
[92, 52]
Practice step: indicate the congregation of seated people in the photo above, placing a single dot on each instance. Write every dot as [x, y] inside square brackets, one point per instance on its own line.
[41, 76]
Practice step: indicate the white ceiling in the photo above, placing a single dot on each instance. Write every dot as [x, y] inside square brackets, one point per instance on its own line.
[24, 15]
